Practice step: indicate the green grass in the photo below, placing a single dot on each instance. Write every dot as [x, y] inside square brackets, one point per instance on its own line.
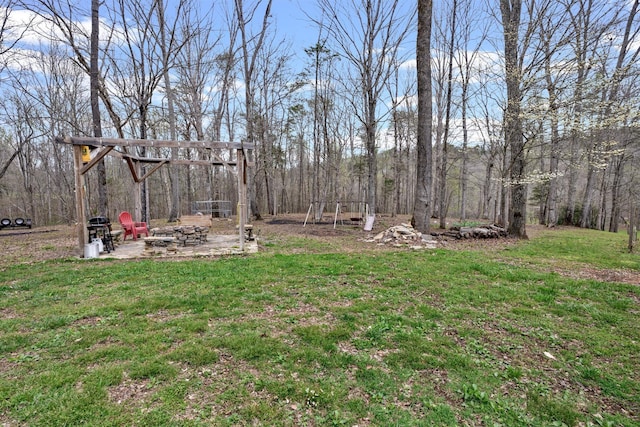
[577, 246]
[387, 338]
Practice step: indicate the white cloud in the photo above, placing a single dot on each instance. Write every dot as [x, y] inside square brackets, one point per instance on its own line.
[31, 29]
[408, 65]
[28, 27]
[407, 101]
[483, 62]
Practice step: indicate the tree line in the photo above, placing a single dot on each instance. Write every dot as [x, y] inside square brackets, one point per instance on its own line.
[506, 110]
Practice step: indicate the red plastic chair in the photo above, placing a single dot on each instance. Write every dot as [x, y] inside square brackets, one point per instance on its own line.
[130, 227]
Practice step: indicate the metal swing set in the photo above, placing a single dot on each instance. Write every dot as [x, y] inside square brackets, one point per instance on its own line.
[349, 212]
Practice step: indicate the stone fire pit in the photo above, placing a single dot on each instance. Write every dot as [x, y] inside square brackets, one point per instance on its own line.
[182, 234]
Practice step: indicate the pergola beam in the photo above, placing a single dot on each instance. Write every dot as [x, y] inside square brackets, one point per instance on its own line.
[157, 143]
[101, 153]
[133, 157]
[134, 172]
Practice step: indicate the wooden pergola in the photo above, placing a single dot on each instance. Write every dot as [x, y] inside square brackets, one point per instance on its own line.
[88, 151]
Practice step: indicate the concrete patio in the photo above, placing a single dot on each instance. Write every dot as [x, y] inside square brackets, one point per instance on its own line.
[216, 245]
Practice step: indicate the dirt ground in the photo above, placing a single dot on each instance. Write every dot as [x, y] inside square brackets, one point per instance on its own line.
[22, 245]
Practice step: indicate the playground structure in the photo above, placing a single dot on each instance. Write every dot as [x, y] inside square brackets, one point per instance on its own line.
[213, 208]
[351, 212]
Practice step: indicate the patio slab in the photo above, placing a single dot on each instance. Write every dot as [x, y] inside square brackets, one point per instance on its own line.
[216, 245]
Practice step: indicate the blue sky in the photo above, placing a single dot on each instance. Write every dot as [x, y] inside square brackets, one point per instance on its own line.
[291, 24]
[291, 20]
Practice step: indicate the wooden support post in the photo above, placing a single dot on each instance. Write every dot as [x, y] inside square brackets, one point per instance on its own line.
[632, 227]
[242, 195]
[137, 195]
[307, 217]
[81, 208]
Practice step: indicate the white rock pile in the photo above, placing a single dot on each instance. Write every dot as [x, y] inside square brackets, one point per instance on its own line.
[404, 235]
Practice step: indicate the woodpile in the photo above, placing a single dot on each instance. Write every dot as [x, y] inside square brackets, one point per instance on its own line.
[403, 235]
[406, 235]
[489, 231]
[183, 234]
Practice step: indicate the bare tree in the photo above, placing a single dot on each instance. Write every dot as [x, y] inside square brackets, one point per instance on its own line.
[169, 48]
[94, 93]
[10, 33]
[205, 72]
[553, 36]
[511, 11]
[466, 61]
[323, 101]
[422, 206]
[137, 70]
[403, 130]
[586, 21]
[66, 17]
[628, 52]
[369, 35]
[250, 47]
[443, 199]
[274, 87]
[68, 30]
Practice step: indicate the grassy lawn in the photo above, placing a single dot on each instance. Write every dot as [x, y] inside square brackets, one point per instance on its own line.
[427, 338]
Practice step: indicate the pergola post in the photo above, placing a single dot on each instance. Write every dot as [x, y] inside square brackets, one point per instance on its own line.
[81, 208]
[242, 194]
[137, 194]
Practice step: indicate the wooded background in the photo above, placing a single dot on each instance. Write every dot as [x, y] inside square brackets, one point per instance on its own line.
[534, 104]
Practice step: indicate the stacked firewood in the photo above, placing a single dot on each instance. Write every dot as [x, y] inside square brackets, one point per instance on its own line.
[489, 231]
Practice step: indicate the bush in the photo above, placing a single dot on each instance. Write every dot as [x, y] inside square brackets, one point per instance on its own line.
[564, 219]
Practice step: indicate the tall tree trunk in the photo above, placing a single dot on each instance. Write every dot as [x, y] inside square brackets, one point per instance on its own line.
[372, 157]
[94, 84]
[249, 62]
[447, 120]
[585, 218]
[615, 193]
[422, 206]
[602, 212]
[465, 156]
[174, 177]
[551, 217]
[510, 10]
[395, 164]
[621, 70]
[301, 166]
[487, 193]
[316, 198]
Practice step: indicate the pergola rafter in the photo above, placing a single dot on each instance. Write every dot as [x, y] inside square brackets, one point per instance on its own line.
[117, 147]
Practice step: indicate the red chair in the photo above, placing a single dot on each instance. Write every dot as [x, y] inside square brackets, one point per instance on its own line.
[132, 228]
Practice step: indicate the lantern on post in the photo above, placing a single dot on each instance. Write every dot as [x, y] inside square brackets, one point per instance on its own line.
[86, 154]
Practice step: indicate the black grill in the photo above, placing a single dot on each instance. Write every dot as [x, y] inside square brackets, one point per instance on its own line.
[100, 227]
[99, 220]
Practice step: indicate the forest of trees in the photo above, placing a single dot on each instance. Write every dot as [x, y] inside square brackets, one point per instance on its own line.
[533, 114]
